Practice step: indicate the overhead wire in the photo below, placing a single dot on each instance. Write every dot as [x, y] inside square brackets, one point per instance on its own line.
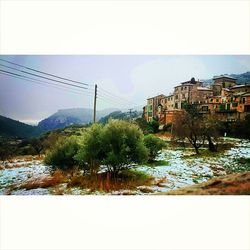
[47, 78]
[30, 79]
[42, 72]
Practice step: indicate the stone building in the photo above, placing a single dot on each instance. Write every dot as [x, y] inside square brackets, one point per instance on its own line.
[155, 105]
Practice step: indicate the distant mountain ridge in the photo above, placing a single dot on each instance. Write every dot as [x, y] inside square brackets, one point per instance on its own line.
[66, 117]
[13, 128]
[241, 78]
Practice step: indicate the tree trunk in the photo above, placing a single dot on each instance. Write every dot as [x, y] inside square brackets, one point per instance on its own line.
[211, 145]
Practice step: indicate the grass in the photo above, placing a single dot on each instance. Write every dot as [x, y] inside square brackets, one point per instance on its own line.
[157, 163]
[240, 165]
[49, 181]
[127, 179]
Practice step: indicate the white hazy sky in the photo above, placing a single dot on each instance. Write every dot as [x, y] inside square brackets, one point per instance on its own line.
[133, 78]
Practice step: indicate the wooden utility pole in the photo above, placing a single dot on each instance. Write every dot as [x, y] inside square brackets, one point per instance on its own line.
[94, 120]
[130, 110]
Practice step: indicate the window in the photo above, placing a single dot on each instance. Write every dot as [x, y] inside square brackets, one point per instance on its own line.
[181, 88]
[204, 108]
[243, 100]
[211, 99]
[176, 97]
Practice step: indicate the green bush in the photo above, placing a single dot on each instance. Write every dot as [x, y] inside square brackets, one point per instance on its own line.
[153, 126]
[167, 127]
[116, 145]
[154, 145]
[62, 155]
[91, 153]
[123, 145]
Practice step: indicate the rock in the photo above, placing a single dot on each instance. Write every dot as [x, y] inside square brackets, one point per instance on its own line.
[145, 189]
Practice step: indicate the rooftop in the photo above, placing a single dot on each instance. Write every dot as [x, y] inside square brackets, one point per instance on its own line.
[204, 88]
[157, 96]
[240, 86]
[224, 76]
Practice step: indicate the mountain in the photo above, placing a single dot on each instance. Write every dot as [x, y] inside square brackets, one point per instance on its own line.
[66, 117]
[120, 115]
[241, 78]
[13, 128]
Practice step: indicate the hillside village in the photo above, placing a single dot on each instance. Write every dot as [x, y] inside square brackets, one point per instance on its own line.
[223, 99]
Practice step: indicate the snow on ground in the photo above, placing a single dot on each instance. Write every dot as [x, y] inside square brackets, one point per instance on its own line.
[182, 169]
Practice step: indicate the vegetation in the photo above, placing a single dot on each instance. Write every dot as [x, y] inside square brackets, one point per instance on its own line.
[125, 180]
[14, 129]
[153, 126]
[91, 152]
[154, 145]
[191, 125]
[62, 155]
[123, 145]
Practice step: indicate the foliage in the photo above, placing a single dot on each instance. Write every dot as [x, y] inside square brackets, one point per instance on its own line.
[238, 129]
[167, 127]
[12, 128]
[143, 125]
[188, 124]
[154, 145]
[153, 126]
[119, 115]
[116, 145]
[91, 153]
[62, 155]
[123, 145]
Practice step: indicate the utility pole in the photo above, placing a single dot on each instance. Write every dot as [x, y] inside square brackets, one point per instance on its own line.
[130, 118]
[94, 120]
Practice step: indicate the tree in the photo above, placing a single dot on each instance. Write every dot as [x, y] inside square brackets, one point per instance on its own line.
[62, 155]
[211, 132]
[91, 153]
[188, 124]
[37, 145]
[123, 145]
[154, 145]
[153, 126]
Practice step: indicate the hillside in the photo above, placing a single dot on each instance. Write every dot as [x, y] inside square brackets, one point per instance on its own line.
[120, 115]
[13, 128]
[67, 117]
[241, 78]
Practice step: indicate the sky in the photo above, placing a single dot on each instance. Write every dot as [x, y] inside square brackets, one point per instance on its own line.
[130, 79]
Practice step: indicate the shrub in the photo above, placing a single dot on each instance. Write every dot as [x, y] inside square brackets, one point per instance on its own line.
[154, 145]
[153, 126]
[91, 152]
[167, 127]
[62, 155]
[117, 145]
[123, 145]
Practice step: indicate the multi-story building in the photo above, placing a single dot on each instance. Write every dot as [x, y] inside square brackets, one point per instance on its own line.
[222, 81]
[223, 99]
[154, 105]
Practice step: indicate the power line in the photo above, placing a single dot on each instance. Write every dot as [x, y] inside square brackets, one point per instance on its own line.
[115, 102]
[48, 84]
[69, 84]
[39, 71]
[115, 96]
